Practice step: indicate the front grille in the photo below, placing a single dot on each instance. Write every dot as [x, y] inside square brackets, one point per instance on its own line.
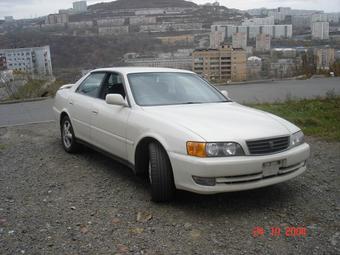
[268, 146]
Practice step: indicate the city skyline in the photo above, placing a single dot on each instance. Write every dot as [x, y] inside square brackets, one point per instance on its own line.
[20, 9]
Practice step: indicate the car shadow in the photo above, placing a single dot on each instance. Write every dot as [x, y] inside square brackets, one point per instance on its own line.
[272, 197]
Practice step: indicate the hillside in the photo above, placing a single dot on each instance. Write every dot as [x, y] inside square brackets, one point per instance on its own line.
[80, 52]
[137, 4]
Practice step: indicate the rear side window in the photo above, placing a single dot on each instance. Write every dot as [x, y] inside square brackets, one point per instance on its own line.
[91, 86]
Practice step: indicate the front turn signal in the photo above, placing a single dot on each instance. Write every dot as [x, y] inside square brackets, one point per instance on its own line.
[196, 149]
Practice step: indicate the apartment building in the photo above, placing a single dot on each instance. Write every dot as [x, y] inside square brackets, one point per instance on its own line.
[320, 30]
[142, 20]
[171, 27]
[277, 53]
[33, 61]
[80, 24]
[325, 17]
[221, 65]
[239, 40]
[283, 68]
[217, 36]
[9, 18]
[263, 42]
[113, 30]
[258, 21]
[333, 17]
[53, 19]
[79, 7]
[177, 63]
[161, 11]
[221, 33]
[177, 39]
[180, 60]
[278, 16]
[110, 22]
[282, 10]
[301, 21]
[324, 58]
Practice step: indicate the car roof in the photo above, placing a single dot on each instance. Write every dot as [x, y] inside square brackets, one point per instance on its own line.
[129, 70]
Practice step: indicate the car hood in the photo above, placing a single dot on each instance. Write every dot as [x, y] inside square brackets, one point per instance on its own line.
[224, 121]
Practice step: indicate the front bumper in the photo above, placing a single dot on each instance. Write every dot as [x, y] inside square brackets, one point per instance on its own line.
[236, 173]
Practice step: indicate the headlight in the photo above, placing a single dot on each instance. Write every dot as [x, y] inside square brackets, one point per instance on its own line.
[297, 139]
[225, 149]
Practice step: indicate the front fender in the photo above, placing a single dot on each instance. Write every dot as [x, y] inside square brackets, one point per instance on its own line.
[170, 135]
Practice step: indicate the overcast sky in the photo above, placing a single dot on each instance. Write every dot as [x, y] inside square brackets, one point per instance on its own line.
[35, 8]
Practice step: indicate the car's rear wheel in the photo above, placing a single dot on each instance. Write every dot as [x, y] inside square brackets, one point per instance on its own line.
[160, 174]
[67, 136]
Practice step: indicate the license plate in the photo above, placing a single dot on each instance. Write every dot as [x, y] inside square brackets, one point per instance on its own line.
[271, 168]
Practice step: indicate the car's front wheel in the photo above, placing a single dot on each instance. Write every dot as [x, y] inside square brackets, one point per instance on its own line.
[67, 136]
[160, 174]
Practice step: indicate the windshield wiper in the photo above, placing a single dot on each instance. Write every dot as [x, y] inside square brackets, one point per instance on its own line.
[192, 103]
[227, 101]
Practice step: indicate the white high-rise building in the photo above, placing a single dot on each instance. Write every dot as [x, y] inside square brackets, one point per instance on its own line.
[79, 7]
[259, 21]
[319, 17]
[326, 17]
[333, 17]
[220, 33]
[33, 61]
[320, 30]
[284, 10]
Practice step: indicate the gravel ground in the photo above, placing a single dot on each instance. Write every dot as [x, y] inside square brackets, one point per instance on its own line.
[52, 202]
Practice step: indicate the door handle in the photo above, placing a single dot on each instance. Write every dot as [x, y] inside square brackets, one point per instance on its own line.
[95, 111]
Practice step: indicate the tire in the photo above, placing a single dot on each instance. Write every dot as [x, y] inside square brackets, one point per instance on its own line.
[160, 174]
[68, 139]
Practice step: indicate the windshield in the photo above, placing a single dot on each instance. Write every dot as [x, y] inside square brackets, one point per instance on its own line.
[151, 89]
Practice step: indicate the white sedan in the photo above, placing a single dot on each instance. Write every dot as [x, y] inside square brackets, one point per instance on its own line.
[175, 128]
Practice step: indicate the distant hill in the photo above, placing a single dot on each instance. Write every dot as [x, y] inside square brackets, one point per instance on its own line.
[137, 4]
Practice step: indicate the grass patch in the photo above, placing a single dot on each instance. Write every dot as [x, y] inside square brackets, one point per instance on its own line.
[316, 117]
[33, 88]
[53, 88]
[2, 146]
[37, 88]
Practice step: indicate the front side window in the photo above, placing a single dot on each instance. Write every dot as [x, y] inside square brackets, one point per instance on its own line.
[91, 85]
[172, 88]
[113, 84]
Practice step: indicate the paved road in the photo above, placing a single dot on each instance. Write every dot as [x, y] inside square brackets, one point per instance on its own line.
[26, 112]
[41, 111]
[281, 90]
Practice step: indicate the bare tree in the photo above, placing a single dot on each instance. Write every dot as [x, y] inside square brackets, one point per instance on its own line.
[7, 83]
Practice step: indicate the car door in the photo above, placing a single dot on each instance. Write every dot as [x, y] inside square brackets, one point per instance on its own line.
[108, 122]
[80, 104]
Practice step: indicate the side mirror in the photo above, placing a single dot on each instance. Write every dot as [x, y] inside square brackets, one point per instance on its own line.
[115, 99]
[225, 93]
